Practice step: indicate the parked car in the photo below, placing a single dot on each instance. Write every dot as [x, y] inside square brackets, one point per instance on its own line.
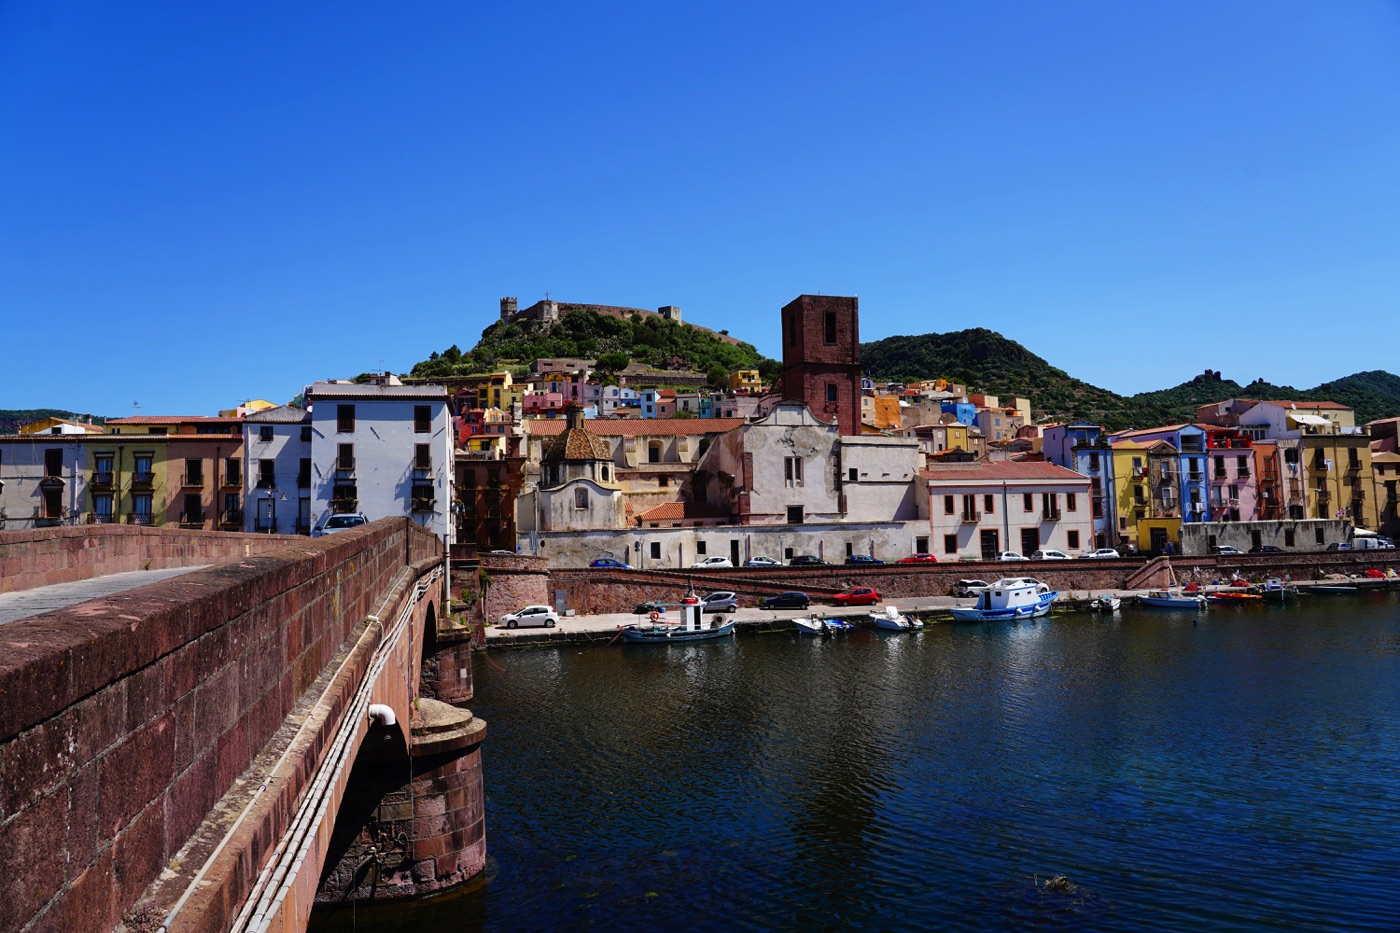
[1225, 549]
[966, 588]
[1103, 553]
[721, 601]
[1010, 555]
[339, 523]
[611, 562]
[858, 559]
[1049, 554]
[919, 558]
[540, 616]
[1265, 549]
[762, 562]
[712, 563]
[1372, 544]
[1339, 546]
[807, 560]
[650, 606]
[791, 600]
[856, 596]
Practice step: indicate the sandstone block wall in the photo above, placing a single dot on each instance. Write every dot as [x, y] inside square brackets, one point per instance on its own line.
[123, 720]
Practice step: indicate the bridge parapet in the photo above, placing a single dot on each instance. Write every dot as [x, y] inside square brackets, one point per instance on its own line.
[125, 720]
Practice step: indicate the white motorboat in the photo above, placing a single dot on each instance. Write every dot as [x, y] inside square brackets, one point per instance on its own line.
[1107, 603]
[892, 620]
[805, 625]
[1174, 598]
[1008, 599]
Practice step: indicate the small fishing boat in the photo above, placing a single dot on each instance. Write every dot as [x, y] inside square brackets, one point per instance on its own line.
[1275, 590]
[892, 620]
[1171, 599]
[1008, 599]
[692, 627]
[1106, 603]
[1232, 596]
[805, 625]
[836, 626]
[1329, 589]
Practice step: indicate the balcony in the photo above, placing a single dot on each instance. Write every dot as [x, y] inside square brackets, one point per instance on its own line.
[422, 472]
[232, 517]
[143, 478]
[1195, 477]
[192, 481]
[140, 518]
[47, 521]
[191, 519]
[104, 478]
[233, 481]
[345, 472]
[1353, 466]
[102, 518]
[1322, 493]
[423, 504]
[970, 518]
[264, 525]
[1049, 515]
[346, 504]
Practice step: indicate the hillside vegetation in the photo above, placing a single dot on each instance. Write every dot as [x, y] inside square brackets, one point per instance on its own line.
[650, 340]
[988, 362]
[12, 419]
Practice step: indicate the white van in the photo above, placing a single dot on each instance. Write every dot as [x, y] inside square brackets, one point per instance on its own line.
[1369, 543]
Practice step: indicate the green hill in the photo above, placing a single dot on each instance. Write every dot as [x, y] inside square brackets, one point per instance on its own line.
[582, 333]
[988, 362]
[12, 419]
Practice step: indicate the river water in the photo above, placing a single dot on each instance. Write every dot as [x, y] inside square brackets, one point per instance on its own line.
[1236, 772]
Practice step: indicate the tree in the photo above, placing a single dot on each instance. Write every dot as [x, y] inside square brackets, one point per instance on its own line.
[718, 377]
[612, 362]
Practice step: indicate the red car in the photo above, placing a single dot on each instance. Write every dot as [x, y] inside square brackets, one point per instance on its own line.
[918, 559]
[857, 596]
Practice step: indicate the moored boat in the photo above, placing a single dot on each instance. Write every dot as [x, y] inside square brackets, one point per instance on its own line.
[1106, 603]
[837, 625]
[1276, 590]
[892, 620]
[1171, 599]
[692, 627]
[805, 625]
[1231, 596]
[1008, 599]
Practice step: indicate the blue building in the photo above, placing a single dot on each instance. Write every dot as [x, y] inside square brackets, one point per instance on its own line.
[965, 412]
[1190, 442]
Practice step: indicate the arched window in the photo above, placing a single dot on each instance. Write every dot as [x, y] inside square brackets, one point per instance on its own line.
[654, 452]
[580, 498]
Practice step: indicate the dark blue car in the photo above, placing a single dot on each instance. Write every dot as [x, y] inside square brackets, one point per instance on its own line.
[793, 600]
[863, 559]
[610, 562]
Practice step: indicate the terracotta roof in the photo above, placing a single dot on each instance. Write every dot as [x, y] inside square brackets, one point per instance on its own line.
[1165, 427]
[577, 443]
[639, 427]
[329, 390]
[988, 470]
[676, 511]
[1127, 445]
[172, 419]
[1328, 405]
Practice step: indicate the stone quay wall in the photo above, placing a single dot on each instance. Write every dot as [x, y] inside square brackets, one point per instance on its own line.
[43, 556]
[124, 720]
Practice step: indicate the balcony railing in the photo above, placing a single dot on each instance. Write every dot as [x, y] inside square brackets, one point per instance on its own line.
[232, 517]
[47, 521]
[1353, 466]
[102, 518]
[1322, 493]
[193, 481]
[1195, 477]
[140, 518]
[143, 478]
[103, 478]
[1050, 515]
[264, 526]
[191, 519]
[232, 481]
[344, 505]
[423, 504]
[970, 518]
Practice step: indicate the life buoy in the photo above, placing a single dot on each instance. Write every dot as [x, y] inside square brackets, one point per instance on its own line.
[654, 615]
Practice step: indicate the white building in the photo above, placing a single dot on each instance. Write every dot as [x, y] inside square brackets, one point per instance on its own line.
[382, 451]
[277, 481]
[977, 510]
[42, 480]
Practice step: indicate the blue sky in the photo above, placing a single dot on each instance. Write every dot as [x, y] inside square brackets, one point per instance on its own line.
[201, 204]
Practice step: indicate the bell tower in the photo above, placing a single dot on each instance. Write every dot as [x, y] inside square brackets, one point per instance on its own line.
[821, 357]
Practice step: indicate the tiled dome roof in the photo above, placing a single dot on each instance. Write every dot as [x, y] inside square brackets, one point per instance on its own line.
[577, 442]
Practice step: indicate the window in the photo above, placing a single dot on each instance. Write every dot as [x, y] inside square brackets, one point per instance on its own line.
[53, 461]
[950, 544]
[1288, 537]
[921, 544]
[422, 456]
[141, 508]
[422, 419]
[1317, 534]
[345, 419]
[103, 470]
[580, 498]
[654, 452]
[265, 433]
[947, 505]
[306, 435]
[852, 475]
[699, 548]
[829, 321]
[102, 506]
[663, 481]
[969, 508]
[1071, 504]
[1255, 539]
[1028, 500]
[304, 472]
[1290, 455]
[792, 471]
[1072, 540]
[831, 391]
[345, 459]
[265, 474]
[989, 504]
[141, 468]
[233, 471]
[794, 515]
[656, 550]
[1093, 461]
[194, 472]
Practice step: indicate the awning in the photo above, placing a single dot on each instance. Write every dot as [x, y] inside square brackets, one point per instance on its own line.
[1309, 419]
[1363, 533]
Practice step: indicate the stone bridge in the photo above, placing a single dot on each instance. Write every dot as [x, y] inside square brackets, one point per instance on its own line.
[220, 750]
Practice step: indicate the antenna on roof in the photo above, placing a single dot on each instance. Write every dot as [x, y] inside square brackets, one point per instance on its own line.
[136, 407]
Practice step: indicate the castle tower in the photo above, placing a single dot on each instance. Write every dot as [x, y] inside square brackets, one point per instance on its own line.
[508, 306]
[821, 357]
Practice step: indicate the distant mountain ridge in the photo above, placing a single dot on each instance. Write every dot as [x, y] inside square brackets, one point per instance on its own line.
[12, 419]
[985, 360]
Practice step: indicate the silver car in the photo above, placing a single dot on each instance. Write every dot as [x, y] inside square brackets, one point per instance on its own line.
[722, 601]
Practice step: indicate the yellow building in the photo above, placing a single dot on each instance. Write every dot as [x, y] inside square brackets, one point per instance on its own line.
[1340, 478]
[880, 412]
[746, 381]
[1132, 502]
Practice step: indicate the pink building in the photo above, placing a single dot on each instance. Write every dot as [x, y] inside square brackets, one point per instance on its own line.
[1231, 473]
